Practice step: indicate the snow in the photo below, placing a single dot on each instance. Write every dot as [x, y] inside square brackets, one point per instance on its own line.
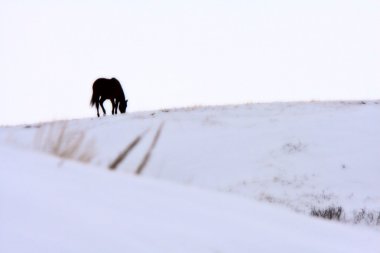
[221, 179]
[54, 206]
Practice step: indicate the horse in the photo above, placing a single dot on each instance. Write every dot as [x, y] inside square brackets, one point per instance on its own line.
[111, 89]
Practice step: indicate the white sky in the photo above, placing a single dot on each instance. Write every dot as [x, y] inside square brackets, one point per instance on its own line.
[180, 53]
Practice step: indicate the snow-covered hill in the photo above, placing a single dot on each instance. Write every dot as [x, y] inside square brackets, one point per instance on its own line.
[50, 206]
[219, 179]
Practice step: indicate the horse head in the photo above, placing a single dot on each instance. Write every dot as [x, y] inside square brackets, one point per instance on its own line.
[123, 106]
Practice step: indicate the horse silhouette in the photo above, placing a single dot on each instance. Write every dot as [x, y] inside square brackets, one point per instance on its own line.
[111, 89]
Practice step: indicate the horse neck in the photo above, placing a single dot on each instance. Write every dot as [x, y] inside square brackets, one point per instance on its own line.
[121, 95]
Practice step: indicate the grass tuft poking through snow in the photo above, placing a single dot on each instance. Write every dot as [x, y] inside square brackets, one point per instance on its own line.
[126, 151]
[330, 213]
[363, 216]
[367, 217]
[147, 155]
[58, 140]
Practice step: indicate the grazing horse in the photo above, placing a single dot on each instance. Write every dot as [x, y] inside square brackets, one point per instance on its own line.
[111, 89]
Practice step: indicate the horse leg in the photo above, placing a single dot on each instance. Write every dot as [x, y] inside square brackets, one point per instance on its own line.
[97, 107]
[101, 104]
[113, 105]
[116, 106]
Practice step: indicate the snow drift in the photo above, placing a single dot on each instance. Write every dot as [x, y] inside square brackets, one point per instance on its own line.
[219, 179]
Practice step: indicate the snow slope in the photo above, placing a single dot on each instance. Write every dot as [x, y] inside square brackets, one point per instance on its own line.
[50, 205]
[299, 155]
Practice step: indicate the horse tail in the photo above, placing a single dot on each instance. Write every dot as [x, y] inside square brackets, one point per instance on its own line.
[94, 97]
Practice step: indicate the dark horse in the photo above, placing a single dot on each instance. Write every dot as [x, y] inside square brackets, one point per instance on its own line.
[111, 89]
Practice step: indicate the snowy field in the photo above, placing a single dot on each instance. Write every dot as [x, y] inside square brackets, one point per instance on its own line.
[219, 179]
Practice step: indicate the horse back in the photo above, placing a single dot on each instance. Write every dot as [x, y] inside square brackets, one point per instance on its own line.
[107, 88]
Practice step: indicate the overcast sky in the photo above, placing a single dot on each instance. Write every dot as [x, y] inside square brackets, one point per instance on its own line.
[182, 53]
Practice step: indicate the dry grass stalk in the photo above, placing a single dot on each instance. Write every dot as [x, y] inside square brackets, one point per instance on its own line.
[146, 158]
[126, 151]
[86, 157]
[57, 140]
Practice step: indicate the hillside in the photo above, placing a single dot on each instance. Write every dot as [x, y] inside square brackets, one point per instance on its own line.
[213, 171]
